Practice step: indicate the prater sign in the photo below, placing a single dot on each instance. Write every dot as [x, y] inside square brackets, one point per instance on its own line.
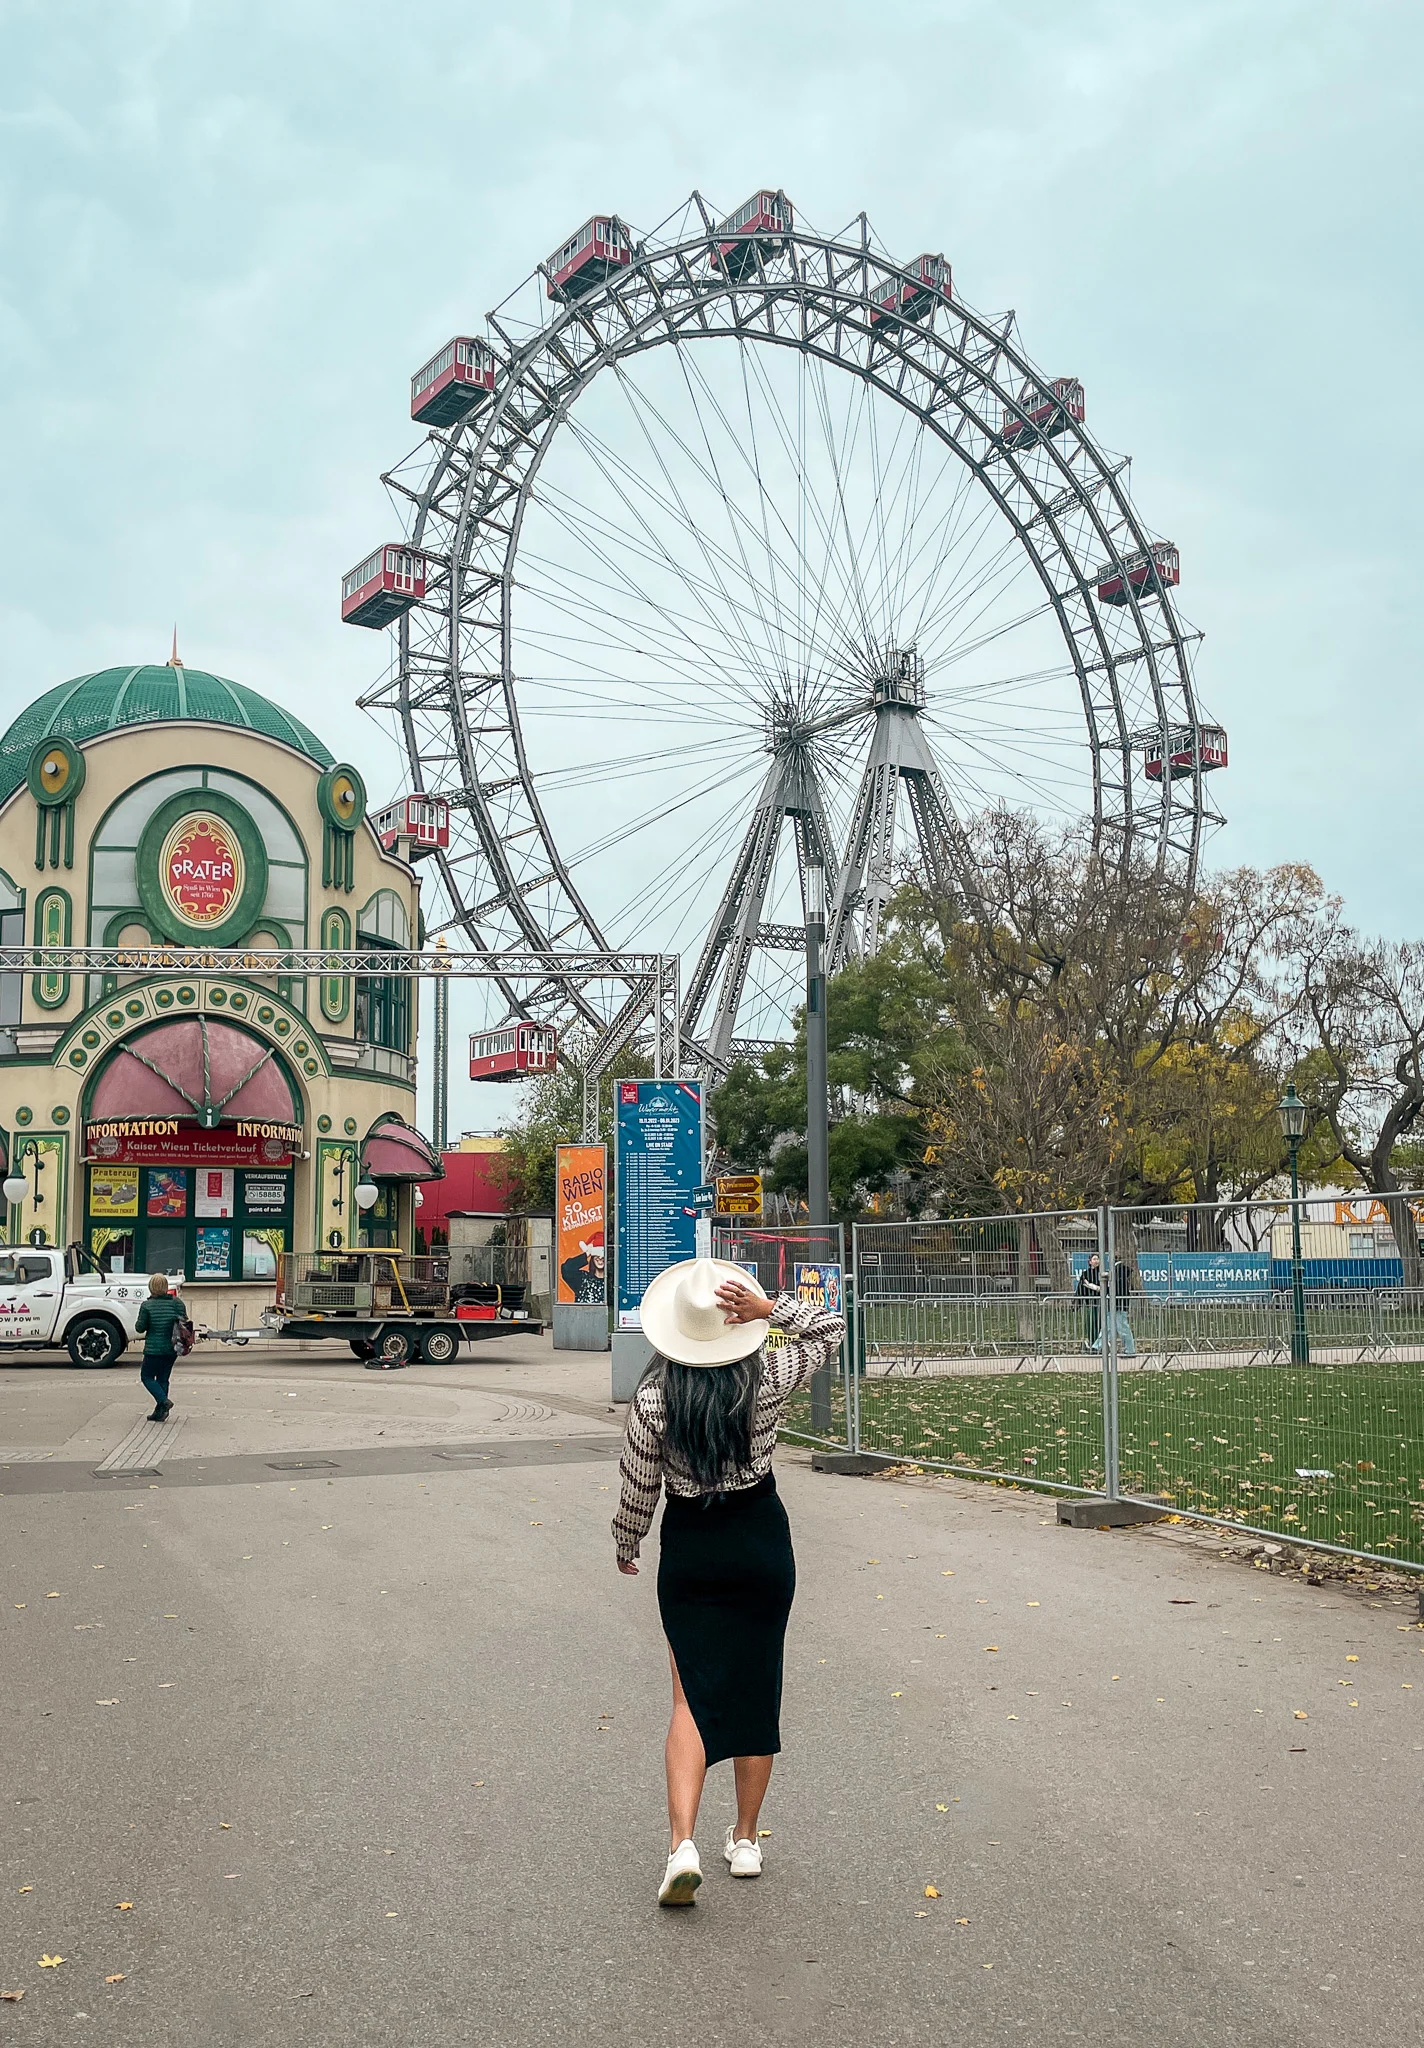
[201, 869]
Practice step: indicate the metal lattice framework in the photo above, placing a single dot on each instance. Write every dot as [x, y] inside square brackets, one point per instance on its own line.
[952, 378]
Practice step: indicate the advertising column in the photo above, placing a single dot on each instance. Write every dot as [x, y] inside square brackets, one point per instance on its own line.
[581, 1272]
[658, 1169]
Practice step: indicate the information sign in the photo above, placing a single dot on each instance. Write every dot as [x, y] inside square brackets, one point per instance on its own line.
[658, 1156]
[703, 1198]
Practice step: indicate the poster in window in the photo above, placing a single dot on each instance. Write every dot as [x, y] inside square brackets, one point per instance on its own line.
[214, 1191]
[113, 1191]
[265, 1194]
[212, 1251]
[167, 1192]
[261, 1249]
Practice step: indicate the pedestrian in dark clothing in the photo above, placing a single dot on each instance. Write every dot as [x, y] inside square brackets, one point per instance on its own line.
[1090, 1292]
[156, 1321]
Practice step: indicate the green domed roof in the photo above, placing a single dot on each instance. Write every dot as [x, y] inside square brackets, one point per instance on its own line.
[116, 697]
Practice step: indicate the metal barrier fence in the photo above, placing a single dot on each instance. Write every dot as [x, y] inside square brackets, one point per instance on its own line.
[808, 1260]
[1258, 1364]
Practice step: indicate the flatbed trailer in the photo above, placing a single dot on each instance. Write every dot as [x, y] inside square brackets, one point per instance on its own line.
[394, 1308]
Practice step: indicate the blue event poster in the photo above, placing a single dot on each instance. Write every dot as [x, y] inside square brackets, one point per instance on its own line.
[658, 1160]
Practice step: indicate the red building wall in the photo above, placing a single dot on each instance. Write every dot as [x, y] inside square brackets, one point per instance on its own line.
[473, 1181]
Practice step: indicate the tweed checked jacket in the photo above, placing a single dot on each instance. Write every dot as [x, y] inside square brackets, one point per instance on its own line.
[813, 1338]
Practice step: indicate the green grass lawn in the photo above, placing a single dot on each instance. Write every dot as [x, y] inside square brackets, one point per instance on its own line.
[1226, 1441]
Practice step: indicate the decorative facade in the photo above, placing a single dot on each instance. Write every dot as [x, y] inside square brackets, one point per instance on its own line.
[200, 1124]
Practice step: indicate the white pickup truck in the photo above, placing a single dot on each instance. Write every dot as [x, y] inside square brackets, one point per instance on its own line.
[50, 1297]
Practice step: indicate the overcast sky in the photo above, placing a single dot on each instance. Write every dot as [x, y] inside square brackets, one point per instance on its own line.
[229, 232]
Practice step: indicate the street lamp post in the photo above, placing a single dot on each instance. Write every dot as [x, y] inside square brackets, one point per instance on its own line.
[1295, 1116]
[17, 1186]
[818, 1114]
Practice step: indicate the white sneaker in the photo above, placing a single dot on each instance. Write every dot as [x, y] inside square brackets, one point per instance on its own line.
[682, 1877]
[743, 1856]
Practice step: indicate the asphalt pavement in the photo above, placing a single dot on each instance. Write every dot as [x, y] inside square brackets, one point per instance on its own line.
[366, 1748]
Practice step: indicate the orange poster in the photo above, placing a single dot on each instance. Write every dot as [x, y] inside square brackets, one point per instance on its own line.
[580, 1172]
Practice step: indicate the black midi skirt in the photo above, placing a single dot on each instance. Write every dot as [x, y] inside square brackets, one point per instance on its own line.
[726, 1580]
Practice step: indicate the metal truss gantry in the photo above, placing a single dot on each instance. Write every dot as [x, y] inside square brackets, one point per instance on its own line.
[653, 982]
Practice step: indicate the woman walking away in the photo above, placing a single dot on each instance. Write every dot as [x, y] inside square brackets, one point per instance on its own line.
[156, 1322]
[701, 1426]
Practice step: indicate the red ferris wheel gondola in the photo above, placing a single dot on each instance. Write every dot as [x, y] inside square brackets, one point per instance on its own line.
[452, 383]
[1183, 756]
[513, 1051]
[386, 584]
[423, 820]
[601, 246]
[932, 280]
[759, 223]
[1147, 573]
[1039, 413]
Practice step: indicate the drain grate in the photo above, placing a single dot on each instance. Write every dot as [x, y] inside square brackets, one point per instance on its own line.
[462, 1457]
[302, 1465]
[128, 1472]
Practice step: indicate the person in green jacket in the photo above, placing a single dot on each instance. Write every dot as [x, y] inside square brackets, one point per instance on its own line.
[155, 1325]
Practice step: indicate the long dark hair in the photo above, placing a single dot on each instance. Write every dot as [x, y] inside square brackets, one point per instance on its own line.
[707, 1430]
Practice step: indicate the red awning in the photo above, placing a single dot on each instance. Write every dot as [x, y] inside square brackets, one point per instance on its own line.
[393, 1151]
[195, 1067]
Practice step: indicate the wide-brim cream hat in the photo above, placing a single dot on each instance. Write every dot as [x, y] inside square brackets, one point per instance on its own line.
[683, 1319]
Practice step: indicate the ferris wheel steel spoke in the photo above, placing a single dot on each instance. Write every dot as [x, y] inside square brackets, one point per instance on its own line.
[589, 521]
[691, 584]
[691, 525]
[722, 494]
[633, 589]
[684, 447]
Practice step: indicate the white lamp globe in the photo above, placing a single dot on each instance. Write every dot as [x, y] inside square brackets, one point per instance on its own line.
[367, 1194]
[16, 1187]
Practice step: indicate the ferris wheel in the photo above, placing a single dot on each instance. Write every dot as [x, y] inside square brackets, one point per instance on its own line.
[740, 561]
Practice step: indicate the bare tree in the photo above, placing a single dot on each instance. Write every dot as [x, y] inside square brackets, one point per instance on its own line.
[1365, 1004]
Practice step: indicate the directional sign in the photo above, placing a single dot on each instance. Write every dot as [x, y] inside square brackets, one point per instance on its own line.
[739, 1194]
[703, 1198]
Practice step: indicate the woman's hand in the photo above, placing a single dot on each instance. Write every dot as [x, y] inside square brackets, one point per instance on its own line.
[629, 1570]
[743, 1303]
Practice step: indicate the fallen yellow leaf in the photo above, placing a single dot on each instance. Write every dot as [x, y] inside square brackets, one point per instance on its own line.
[12, 1997]
[941, 1809]
[26, 1887]
[961, 1923]
[931, 1892]
[764, 1833]
[946, 1575]
[51, 1596]
[224, 1823]
[1301, 1715]
[124, 1906]
[1352, 1660]
[117, 1978]
[50, 1962]
[988, 1647]
[1035, 1603]
[897, 1695]
[921, 1914]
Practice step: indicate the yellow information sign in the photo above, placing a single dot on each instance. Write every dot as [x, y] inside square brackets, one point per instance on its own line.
[739, 1194]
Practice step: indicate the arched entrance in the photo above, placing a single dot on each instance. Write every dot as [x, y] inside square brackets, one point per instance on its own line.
[189, 1138]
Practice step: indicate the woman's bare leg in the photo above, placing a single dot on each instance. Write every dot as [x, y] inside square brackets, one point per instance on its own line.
[686, 1763]
[753, 1777]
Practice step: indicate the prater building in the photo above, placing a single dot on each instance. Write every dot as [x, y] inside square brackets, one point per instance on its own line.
[198, 1123]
